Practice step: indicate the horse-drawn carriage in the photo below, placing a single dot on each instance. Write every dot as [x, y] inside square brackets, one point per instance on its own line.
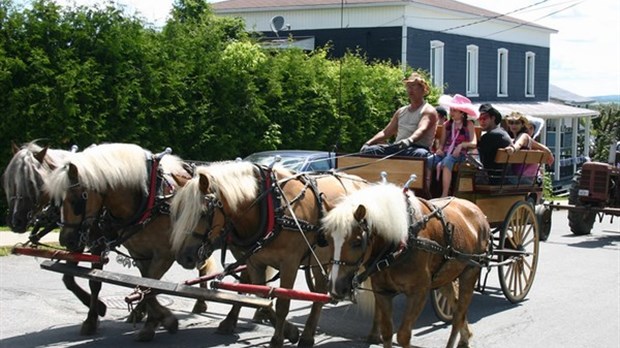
[515, 212]
[246, 207]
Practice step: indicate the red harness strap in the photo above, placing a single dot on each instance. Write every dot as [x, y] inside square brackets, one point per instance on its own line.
[151, 199]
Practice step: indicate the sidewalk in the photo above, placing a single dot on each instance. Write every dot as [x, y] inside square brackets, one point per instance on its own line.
[10, 238]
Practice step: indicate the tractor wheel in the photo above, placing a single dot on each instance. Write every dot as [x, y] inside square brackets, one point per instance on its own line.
[543, 213]
[580, 222]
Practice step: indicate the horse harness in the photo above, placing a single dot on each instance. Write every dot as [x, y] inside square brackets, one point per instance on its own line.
[392, 252]
[272, 216]
[155, 203]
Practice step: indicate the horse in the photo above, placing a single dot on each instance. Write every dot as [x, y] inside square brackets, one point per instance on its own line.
[407, 245]
[117, 194]
[23, 181]
[29, 205]
[269, 217]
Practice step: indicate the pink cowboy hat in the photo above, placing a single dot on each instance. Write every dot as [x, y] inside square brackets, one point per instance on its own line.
[459, 102]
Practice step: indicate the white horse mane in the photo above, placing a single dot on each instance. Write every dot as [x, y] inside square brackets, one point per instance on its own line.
[107, 167]
[386, 212]
[234, 181]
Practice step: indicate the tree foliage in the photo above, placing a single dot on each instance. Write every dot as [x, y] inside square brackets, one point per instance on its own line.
[606, 130]
[201, 85]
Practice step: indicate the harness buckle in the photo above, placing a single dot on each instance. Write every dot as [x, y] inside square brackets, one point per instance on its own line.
[383, 264]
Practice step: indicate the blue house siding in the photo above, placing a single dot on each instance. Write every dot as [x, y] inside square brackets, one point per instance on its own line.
[455, 50]
[375, 43]
[385, 44]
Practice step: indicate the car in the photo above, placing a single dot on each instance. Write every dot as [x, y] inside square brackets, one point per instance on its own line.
[296, 160]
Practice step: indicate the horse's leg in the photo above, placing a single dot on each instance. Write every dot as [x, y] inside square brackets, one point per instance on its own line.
[383, 304]
[467, 283]
[157, 313]
[82, 295]
[307, 337]
[413, 308]
[201, 305]
[288, 273]
[89, 326]
[373, 336]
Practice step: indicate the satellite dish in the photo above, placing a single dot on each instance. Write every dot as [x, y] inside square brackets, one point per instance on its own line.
[277, 23]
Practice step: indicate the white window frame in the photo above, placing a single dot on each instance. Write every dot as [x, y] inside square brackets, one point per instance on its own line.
[471, 77]
[502, 72]
[530, 69]
[437, 63]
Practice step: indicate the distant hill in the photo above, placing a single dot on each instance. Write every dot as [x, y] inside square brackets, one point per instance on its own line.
[604, 99]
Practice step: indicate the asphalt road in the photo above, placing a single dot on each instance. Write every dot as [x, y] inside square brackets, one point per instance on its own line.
[575, 302]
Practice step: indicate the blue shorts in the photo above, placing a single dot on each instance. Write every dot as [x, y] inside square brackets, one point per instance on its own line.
[446, 161]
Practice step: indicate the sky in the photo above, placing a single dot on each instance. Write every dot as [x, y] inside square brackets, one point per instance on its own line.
[585, 53]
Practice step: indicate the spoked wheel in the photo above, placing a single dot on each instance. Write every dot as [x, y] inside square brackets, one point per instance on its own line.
[442, 304]
[518, 251]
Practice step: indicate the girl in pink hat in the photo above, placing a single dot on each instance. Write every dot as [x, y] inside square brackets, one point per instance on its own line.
[458, 137]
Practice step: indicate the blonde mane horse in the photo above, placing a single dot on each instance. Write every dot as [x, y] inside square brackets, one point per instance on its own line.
[255, 210]
[110, 185]
[408, 238]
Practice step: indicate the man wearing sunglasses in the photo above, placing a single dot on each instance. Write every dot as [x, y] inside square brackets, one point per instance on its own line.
[494, 138]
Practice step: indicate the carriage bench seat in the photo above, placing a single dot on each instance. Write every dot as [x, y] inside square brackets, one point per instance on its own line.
[519, 157]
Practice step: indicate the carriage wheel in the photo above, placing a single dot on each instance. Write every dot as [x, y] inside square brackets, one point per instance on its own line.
[519, 237]
[310, 278]
[442, 305]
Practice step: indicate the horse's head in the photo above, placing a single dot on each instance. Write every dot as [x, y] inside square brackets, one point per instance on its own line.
[197, 220]
[351, 239]
[361, 226]
[22, 183]
[80, 207]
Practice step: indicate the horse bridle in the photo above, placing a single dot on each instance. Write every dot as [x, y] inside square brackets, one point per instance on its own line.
[206, 247]
[79, 208]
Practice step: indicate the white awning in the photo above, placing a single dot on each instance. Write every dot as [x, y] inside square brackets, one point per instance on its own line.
[545, 110]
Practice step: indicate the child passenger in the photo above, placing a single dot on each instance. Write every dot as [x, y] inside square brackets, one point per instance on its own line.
[458, 137]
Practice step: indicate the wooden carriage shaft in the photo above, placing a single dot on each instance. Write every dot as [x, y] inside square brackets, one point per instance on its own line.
[156, 286]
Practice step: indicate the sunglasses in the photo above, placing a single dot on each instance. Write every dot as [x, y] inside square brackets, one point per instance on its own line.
[513, 122]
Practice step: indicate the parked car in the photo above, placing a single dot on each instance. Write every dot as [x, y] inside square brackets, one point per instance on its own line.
[296, 160]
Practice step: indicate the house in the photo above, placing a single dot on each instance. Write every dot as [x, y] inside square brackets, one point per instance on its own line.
[487, 56]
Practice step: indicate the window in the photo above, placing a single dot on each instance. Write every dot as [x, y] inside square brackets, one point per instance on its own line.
[471, 82]
[502, 72]
[437, 63]
[530, 60]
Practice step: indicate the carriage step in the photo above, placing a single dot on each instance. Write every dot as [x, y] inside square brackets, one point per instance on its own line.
[156, 286]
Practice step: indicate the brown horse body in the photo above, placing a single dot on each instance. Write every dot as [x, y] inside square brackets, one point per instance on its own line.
[378, 224]
[102, 192]
[241, 190]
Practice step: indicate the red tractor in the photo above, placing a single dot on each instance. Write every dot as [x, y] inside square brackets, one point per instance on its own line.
[595, 191]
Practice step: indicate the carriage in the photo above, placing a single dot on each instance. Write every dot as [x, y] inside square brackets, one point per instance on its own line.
[510, 210]
[516, 212]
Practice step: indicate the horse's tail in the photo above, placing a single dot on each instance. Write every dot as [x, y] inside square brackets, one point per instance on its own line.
[366, 298]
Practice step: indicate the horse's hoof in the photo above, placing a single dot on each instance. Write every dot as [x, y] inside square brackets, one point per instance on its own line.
[291, 332]
[463, 345]
[145, 335]
[276, 343]
[226, 327]
[373, 339]
[261, 316]
[135, 316]
[89, 327]
[171, 324]
[306, 342]
[101, 308]
[199, 307]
